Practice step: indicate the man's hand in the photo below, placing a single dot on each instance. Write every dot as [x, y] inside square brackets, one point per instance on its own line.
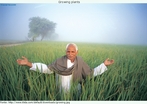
[24, 61]
[108, 62]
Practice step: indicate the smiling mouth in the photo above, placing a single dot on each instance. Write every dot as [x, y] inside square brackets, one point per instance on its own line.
[69, 56]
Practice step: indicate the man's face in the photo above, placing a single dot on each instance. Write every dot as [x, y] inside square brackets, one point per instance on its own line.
[71, 53]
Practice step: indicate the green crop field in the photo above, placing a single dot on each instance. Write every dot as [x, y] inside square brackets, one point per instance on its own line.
[126, 79]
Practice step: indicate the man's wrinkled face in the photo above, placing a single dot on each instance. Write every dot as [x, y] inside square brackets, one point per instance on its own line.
[71, 52]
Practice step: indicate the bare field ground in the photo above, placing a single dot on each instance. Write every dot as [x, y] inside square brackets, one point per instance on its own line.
[10, 45]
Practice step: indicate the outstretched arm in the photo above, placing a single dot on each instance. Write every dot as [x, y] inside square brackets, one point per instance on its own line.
[24, 61]
[103, 67]
[34, 66]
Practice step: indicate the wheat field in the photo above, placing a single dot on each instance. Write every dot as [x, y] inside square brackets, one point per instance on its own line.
[125, 80]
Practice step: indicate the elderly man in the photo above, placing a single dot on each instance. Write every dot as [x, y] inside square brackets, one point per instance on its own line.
[69, 67]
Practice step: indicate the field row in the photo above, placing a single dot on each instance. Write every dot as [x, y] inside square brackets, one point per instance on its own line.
[126, 79]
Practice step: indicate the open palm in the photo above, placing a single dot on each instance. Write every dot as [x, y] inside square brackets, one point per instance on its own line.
[22, 61]
[108, 62]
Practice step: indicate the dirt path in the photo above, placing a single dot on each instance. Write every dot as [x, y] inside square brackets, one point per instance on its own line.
[10, 45]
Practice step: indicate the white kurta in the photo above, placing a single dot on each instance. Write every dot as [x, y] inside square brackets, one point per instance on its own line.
[65, 81]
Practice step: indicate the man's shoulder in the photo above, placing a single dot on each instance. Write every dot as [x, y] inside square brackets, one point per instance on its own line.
[80, 58]
[62, 58]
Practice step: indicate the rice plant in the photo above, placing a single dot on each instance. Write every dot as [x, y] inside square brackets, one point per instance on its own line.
[126, 79]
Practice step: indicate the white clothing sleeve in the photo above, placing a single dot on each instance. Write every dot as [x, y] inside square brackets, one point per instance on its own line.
[41, 67]
[99, 69]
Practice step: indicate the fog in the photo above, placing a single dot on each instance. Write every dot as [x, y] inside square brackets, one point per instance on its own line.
[101, 23]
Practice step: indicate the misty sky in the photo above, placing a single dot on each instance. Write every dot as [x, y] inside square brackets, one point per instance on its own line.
[103, 23]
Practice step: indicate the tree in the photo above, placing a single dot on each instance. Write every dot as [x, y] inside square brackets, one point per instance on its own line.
[40, 27]
[33, 36]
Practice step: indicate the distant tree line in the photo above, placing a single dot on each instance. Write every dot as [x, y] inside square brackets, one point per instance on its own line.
[41, 27]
